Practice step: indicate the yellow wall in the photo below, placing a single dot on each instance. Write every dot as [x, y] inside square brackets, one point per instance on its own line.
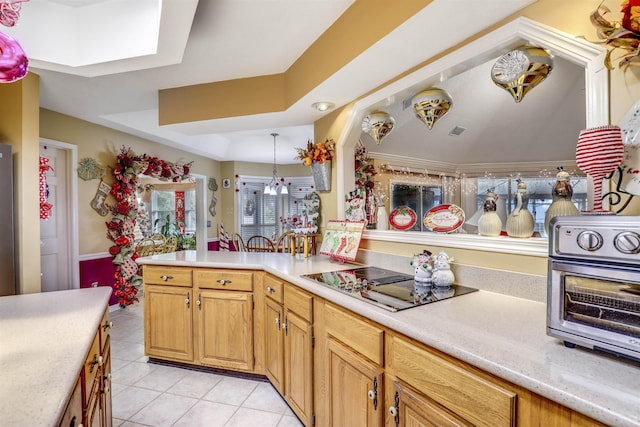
[103, 144]
[19, 128]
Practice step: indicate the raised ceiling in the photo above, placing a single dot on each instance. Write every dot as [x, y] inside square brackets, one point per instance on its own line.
[114, 82]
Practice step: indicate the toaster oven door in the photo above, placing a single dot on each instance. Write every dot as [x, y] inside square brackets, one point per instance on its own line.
[597, 305]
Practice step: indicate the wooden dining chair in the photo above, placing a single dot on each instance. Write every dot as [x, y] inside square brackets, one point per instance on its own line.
[283, 243]
[260, 244]
[238, 243]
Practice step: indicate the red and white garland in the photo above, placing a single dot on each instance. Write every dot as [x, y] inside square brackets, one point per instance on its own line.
[45, 206]
[125, 211]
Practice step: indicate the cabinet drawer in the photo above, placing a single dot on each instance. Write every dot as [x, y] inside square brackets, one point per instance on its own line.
[361, 336]
[156, 275]
[228, 280]
[72, 416]
[92, 366]
[299, 302]
[274, 288]
[471, 396]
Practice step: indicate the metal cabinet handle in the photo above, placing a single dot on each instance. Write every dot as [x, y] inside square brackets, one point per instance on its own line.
[285, 325]
[278, 320]
[199, 302]
[223, 281]
[373, 394]
[97, 360]
[394, 410]
[188, 300]
[270, 289]
[165, 277]
[107, 325]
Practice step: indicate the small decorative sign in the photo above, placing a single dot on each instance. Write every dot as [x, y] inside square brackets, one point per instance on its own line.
[341, 239]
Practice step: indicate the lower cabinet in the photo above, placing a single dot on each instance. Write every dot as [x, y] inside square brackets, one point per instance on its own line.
[350, 380]
[332, 366]
[90, 401]
[409, 407]
[355, 388]
[225, 329]
[200, 316]
[168, 322]
[289, 345]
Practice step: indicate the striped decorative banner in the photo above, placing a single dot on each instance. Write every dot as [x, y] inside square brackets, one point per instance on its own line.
[598, 153]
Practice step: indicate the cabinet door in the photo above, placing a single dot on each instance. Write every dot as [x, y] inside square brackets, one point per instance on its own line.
[355, 392]
[298, 369]
[105, 391]
[408, 407]
[225, 329]
[274, 344]
[168, 322]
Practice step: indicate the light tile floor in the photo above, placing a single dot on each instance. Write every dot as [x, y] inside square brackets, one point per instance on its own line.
[148, 394]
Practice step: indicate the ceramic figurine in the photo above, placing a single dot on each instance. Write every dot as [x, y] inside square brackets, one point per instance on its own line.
[561, 204]
[490, 223]
[520, 222]
[442, 274]
[423, 264]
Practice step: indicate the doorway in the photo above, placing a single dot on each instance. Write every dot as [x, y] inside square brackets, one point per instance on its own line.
[59, 269]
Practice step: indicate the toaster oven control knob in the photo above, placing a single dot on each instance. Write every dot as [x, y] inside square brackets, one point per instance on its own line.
[590, 240]
[627, 242]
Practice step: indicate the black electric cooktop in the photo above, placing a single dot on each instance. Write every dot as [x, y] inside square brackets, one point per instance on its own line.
[385, 288]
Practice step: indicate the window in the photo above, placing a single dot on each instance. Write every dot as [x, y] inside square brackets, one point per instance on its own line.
[419, 197]
[259, 214]
[163, 205]
[538, 189]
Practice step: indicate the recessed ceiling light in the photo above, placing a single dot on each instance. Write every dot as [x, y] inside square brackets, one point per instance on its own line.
[323, 106]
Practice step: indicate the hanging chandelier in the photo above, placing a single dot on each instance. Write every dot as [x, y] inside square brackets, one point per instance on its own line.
[272, 188]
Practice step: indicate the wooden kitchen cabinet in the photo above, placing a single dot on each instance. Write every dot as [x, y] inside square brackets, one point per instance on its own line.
[225, 329]
[168, 322]
[467, 394]
[355, 388]
[288, 326]
[408, 407]
[350, 379]
[200, 316]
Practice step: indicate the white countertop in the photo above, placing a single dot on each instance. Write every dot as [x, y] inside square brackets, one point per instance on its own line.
[501, 334]
[44, 340]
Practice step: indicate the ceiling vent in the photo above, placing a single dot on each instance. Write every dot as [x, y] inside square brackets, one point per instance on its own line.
[456, 131]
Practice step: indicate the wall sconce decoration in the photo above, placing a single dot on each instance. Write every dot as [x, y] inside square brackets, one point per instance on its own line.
[522, 69]
[431, 105]
[378, 124]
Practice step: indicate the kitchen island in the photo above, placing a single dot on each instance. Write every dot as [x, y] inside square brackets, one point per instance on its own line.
[45, 339]
[499, 334]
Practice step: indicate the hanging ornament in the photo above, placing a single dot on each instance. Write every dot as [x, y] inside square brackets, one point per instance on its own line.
[522, 69]
[13, 61]
[431, 105]
[378, 125]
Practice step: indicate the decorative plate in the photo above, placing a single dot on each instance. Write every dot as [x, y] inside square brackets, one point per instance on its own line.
[402, 218]
[444, 218]
[630, 176]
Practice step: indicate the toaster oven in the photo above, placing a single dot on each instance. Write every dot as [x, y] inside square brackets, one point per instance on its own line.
[593, 297]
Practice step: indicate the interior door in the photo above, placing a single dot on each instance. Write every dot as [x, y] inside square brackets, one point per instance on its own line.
[54, 234]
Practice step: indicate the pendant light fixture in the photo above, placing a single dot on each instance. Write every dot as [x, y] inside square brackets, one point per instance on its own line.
[272, 188]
